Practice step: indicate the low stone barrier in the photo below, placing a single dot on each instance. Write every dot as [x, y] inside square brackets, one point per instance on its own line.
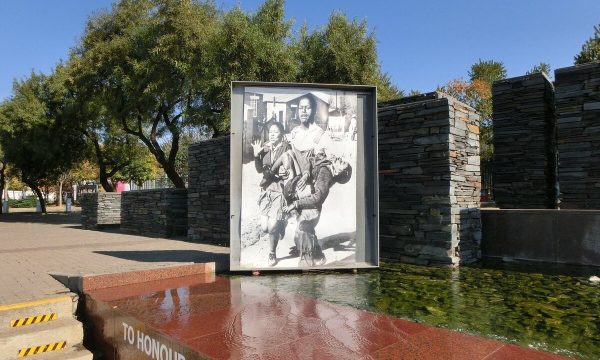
[157, 212]
[98, 209]
[548, 235]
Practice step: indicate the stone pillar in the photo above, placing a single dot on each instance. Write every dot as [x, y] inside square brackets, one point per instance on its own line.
[429, 180]
[524, 164]
[155, 212]
[208, 191]
[98, 209]
[578, 113]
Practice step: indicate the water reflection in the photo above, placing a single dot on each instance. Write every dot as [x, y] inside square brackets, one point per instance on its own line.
[549, 308]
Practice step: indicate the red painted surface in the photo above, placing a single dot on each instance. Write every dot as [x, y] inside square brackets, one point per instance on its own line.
[204, 316]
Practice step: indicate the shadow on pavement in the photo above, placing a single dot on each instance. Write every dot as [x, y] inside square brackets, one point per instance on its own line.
[168, 256]
[39, 218]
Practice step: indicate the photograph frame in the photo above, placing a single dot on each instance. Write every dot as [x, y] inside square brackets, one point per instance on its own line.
[365, 172]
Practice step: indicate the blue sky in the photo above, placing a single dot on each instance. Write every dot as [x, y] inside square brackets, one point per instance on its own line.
[421, 44]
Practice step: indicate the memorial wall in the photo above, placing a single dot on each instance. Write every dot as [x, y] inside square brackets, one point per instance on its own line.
[429, 180]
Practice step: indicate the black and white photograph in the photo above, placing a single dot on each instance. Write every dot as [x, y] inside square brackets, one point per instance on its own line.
[298, 202]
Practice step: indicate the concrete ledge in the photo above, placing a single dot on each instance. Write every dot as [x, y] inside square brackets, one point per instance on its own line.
[134, 277]
[84, 283]
[548, 235]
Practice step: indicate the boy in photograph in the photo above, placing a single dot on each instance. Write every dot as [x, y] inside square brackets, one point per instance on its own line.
[325, 173]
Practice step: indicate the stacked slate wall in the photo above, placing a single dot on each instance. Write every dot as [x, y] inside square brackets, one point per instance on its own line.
[578, 113]
[465, 181]
[157, 212]
[524, 164]
[208, 191]
[429, 180]
[98, 209]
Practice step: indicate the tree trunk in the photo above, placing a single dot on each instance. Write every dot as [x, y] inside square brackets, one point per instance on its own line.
[60, 184]
[39, 194]
[173, 175]
[2, 184]
[106, 184]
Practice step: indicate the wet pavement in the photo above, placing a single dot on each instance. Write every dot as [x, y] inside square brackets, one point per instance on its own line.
[206, 316]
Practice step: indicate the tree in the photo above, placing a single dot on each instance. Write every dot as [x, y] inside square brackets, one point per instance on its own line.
[2, 177]
[252, 47]
[342, 52]
[140, 168]
[86, 169]
[477, 93]
[32, 134]
[160, 66]
[590, 50]
[144, 60]
[487, 71]
[114, 150]
[540, 68]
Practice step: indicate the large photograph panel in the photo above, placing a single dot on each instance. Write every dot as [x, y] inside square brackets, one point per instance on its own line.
[298, 177]
[298, 182]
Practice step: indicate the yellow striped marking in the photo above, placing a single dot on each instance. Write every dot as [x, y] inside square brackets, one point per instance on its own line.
[33, 320]
[42, 348]
[34, 303]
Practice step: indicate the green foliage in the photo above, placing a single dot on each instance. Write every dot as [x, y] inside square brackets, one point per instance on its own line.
[118, 154]
[145, 61]
[33, 135]
[487, 71]
[482, 75]
[189, 136]
[477, 93]
[250, 47]
[152, 68]
[342, 52]
[540, 68]
[26, 202]
[590, 51]
[85, 170]
[139, 168]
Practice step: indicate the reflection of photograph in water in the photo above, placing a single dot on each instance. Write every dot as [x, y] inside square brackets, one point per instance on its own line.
[298, 187]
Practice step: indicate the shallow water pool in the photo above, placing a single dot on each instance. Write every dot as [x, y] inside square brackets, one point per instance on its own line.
[551, 308]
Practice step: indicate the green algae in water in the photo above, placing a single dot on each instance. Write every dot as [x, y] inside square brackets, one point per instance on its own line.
[554, 309]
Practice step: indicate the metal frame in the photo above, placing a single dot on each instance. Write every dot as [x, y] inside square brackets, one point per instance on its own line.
[367, 225]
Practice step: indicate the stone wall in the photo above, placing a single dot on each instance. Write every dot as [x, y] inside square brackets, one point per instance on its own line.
[208, 191]
[98, 209]
[578, 113]
[524, 164]
[429, 180]
[157, 212]
[548, 235]
[465, 181]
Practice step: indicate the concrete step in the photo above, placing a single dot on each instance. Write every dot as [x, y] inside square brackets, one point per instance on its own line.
[57, 334]
[33, 312]
[78, 352]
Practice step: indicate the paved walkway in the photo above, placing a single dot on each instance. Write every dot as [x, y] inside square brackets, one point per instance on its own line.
[34, 245]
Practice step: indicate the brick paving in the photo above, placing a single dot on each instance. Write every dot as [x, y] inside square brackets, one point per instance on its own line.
[34, 245]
